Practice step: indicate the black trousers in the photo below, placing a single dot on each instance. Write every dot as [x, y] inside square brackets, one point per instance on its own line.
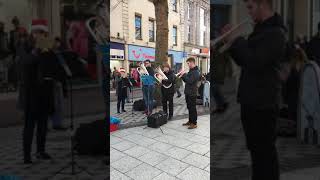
[260, 130]
[191, 105]
[121, 100]
[31, 119]
[165, 99]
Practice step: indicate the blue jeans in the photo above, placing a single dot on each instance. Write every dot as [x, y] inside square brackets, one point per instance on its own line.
[148, 92]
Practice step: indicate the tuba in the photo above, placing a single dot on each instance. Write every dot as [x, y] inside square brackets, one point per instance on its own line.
[142, 70]
[161, 76]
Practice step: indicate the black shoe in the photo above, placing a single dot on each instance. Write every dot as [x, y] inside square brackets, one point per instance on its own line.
[60, 128]
[178, 96]
[44, 156]
[118, 112]
[124, 111]
[169, 118]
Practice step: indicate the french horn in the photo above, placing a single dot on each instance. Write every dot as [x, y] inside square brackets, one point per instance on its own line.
[161, 76]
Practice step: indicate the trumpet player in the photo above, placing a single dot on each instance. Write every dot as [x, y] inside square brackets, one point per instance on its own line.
[191, 79]
[259, 57]
[168, 93]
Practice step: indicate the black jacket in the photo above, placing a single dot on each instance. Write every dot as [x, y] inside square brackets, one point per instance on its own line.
[122, 85]
[170, 80]
[39, 73]
[191, 79]
[313, 48]
[260, 57]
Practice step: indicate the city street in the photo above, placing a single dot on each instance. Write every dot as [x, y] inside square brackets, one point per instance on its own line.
[172, 152]
[137, 118]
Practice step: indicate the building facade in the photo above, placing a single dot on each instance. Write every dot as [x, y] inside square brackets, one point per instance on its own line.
[197, 32]
[133, 29]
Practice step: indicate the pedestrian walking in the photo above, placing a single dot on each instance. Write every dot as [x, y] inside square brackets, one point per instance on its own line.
[260, 57]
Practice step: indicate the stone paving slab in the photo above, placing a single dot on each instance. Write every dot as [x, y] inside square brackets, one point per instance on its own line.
[169, 155]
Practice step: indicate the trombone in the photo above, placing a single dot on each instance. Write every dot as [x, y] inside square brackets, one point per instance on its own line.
[161, 76]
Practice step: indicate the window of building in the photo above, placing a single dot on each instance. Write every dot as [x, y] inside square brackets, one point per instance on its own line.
[151, 30]
[189, 11]
[138, 27]
[202, 27]
[175, 5]
[204, 38]
[174, 35]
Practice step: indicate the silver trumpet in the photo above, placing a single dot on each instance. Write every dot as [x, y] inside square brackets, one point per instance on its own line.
[142, 70]
[161, 76]
[179, 74]
[239, 30]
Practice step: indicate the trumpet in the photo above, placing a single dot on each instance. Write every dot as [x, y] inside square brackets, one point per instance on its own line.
[161, 76]
[235, 32]
[142, 70]
[179, 74]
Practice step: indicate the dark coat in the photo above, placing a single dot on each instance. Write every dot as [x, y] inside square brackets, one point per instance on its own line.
[38, 76]
[122, 87]
[313, 48]
[260, 57]
[191, 79]
[171, 80]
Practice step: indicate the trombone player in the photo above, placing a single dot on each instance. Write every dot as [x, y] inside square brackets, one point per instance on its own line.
[259, 57]
[167, 89]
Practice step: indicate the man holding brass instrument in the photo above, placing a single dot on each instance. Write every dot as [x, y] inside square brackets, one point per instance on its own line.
[259, 57]
[191, 79]
[148, 87]
[167, 90]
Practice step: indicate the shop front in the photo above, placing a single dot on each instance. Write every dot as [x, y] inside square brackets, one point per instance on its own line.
[202, 57]
[138, 54]
[116, 55]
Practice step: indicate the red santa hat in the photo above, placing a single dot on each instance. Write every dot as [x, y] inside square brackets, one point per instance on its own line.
[40, 24]
[122, 70]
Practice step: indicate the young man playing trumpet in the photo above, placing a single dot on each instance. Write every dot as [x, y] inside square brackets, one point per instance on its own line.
[148, 87]
[259, 57]
[167, 90]
[191, 79]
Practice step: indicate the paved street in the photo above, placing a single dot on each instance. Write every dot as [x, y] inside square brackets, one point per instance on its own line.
[58, 145]
[135, 118]
[231, 159]
[148, 154]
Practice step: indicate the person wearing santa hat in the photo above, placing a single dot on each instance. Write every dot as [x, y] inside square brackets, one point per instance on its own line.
[37, 70]
[122, 86]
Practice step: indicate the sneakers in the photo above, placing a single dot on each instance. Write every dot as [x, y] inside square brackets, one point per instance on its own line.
[186, 124]
[192, 126]
[43, 155]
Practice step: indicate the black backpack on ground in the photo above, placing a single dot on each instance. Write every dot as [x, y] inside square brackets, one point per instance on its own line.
[139, 105]
[91, 138]
[157, 119]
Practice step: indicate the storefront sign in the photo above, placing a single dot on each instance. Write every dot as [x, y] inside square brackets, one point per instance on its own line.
[195, 51]
[139, 53]
[116, 51]
[205, 50]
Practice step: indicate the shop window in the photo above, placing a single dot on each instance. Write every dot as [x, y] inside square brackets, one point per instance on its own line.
[174, 35]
